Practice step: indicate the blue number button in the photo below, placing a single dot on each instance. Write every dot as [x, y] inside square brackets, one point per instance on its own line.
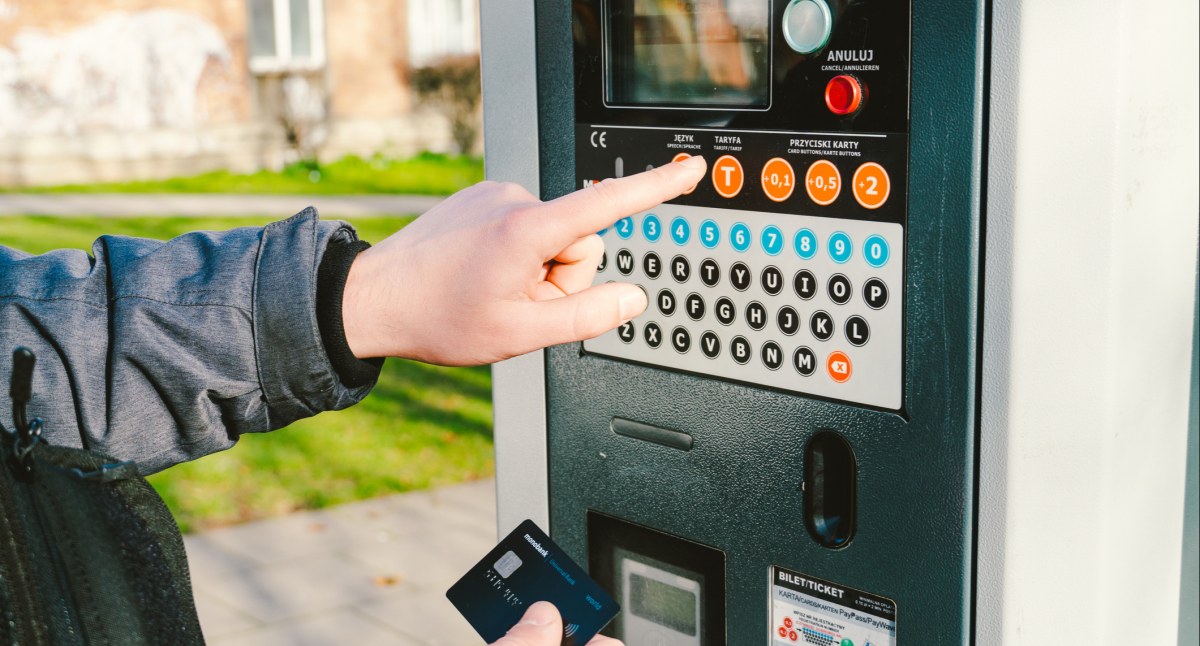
[651, 227]
[876, 251]
[806, 244]
[772, 240]
[624, 228]
[710, 234]
[681, 231]
[739, 237]
[840, 247]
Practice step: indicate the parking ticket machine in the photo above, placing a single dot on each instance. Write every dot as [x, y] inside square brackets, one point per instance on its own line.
[836, 422]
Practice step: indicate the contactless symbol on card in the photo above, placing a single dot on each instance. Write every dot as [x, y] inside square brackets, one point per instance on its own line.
[524, 568]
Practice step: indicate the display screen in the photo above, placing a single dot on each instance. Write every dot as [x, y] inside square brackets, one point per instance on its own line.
[665, 605]
[708, 53]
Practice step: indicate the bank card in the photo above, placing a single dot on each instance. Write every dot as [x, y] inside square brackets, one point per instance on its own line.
[524, 568]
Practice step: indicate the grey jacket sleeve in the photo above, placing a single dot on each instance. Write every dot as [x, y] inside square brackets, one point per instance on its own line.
[164, 352]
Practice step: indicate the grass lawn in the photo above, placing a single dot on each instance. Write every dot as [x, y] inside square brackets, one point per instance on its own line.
[425, 174]
[422, 426]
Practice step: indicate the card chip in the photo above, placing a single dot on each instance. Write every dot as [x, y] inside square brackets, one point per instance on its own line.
[508, 564]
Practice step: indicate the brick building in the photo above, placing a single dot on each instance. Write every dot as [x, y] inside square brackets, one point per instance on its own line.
[98, 90]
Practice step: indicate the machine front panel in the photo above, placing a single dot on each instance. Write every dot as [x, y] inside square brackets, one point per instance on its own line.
[801, 217]
[794, 409]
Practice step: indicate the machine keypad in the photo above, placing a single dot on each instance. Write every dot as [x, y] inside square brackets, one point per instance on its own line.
[832, 332]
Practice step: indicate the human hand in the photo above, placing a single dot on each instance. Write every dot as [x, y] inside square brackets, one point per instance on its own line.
[492, 272]
[542, 626]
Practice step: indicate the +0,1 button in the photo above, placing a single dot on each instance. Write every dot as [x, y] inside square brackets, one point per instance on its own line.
[840, 247]
[739, 237]
[681, 231]
[772, 240]
[651, 227]
[806, 244]
[876, 251]
[624, 227]
[710, 234]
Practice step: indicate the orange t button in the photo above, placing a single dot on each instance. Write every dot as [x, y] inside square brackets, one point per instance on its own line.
[823, 182]
[727, 176]
[871, 185]
[838, 365]
[678, 158]
[778, 179]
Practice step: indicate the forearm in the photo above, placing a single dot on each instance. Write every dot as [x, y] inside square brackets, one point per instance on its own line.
[164, 352]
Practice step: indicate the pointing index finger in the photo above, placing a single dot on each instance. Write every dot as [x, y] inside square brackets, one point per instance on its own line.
[597, 207]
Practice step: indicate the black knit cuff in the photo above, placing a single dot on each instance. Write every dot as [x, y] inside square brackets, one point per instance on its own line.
[331, 282]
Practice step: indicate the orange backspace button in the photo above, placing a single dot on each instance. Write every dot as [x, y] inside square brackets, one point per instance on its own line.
[838, 365]
[727, 176]
[778, 179]
[680, 157]
[823, 182]
[871, 185]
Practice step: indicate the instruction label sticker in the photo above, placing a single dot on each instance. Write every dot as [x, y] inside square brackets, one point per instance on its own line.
[808, 610]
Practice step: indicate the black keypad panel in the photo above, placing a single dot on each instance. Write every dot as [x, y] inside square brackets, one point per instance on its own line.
[820, 314]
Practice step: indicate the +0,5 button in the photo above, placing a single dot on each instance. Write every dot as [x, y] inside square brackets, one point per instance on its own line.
[840, 247]
[651, 227]
[681, 231]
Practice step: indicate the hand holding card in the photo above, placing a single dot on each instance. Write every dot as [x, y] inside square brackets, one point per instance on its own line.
[524, 568]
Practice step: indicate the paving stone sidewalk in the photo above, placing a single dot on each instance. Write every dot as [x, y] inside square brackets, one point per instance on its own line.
[371, 572]
[180, 204]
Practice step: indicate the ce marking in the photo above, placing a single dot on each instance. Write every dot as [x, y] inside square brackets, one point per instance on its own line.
[598, 139]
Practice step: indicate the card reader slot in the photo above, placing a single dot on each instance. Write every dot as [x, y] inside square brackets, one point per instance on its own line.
[655, 434]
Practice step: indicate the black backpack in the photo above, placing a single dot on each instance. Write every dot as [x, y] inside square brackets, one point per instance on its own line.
[89, 553]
